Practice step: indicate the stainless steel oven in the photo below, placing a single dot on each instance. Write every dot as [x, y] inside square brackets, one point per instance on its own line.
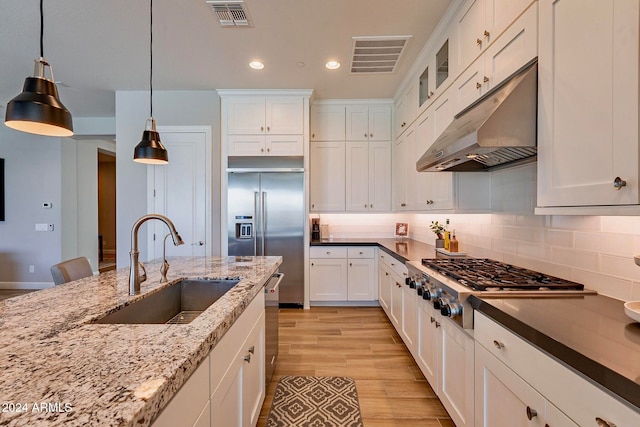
[449, 282]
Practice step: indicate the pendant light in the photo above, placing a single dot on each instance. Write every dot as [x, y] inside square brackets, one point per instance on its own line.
[150, 150]
[38, 108]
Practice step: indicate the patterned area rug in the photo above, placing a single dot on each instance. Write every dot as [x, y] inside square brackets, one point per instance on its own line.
[315, 402]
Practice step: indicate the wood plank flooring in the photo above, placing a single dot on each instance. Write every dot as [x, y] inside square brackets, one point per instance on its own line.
[361, 343]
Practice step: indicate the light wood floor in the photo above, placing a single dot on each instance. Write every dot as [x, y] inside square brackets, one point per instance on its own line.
[362, 344]
[10, 293]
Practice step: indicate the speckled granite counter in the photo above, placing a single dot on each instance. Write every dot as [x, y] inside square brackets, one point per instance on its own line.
[403, 250]
[591, 334]
[110, 375]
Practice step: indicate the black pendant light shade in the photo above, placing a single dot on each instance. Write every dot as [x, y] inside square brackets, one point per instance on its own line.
[150, 150]
[38, 108]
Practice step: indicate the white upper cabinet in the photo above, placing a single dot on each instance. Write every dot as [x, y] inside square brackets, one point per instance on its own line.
[478, 24]
[275, 115]
[436, 75]
[368, 123]
[588, 151]
[513, 49]
[406, 109]
[368, 176]
[327, 176]
[327, 122]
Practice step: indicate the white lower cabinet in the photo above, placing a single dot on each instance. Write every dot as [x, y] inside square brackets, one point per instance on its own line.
[384, 283]
[512, 374]
[339, 273]
[228, 388]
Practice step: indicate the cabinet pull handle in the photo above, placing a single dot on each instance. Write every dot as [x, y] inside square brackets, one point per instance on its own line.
[252, 349]
[499, 346]
[433, 319]
[479, 42]
[328, 253]
[602, 423]
[247, 358]
[531, 413]
[478, 85]
[430, 94]
[618, 183]
[437, 324]
[486, 34]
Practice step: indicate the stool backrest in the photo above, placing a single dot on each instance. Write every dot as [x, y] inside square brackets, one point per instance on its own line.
[70, 270]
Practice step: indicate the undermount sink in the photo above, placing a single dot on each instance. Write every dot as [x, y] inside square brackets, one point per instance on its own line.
[179, 303]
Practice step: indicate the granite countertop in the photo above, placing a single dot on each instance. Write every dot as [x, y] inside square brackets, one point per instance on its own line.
[110, 375]
[591, 334]
[403, 250]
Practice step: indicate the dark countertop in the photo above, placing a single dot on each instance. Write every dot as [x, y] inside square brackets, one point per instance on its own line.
[590, 334]
[403, 250]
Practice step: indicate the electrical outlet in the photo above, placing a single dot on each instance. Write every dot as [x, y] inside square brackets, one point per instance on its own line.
[32, 269]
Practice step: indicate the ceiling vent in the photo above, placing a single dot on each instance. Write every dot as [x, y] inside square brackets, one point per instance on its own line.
[230, 13]
[377, 54]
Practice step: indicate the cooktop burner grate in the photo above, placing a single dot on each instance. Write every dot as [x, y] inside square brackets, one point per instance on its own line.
[484, 274]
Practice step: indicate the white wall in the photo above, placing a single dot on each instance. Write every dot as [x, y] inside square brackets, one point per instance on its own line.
[32, 177]
[170, 108]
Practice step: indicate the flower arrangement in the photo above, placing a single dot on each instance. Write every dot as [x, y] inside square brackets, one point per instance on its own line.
[437, 228]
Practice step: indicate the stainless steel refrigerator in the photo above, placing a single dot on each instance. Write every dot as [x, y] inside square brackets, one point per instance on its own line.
[266, 217]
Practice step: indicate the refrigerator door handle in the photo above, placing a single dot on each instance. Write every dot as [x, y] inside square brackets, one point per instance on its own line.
[255, 223]
[263, 219]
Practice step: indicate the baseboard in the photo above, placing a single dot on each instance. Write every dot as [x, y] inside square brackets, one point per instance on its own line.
[344, 303]
[26, 285]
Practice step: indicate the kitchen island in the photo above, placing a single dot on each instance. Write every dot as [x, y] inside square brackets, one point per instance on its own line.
[58, 368]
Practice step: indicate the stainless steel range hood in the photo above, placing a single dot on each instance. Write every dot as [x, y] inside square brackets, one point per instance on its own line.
[497, 130]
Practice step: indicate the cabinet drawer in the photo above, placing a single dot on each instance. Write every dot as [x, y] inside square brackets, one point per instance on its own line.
[361, 252]
[328, 252]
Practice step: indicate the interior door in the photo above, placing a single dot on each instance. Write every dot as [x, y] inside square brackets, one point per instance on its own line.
[179, 190]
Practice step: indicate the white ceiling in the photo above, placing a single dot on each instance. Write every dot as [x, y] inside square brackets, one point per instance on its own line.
[99, 47]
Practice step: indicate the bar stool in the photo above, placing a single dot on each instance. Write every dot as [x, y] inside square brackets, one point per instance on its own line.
[73, 269]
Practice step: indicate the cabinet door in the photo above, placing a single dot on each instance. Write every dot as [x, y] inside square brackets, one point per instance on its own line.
[327, 123]
[400, 159]
[409, 168]
[456, 373]
[284, 115]
[361, 280]
[245, 115]
[428, 342]
[357, 176]
[253, 375]
[380, 123]
[357, 123]
[499, 14]
[327, 176]
[284, 145]
[328, 280]
[246, 145]
[379, 176]
[502, 397]
[469, 33]
[396, 301]
[226, 402]
[410, 318]
[588, 103]
[384, 286]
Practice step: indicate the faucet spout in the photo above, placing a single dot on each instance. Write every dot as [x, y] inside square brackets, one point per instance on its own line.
[134, 268]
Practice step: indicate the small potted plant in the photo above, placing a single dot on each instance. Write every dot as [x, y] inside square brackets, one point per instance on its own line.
[438, 229]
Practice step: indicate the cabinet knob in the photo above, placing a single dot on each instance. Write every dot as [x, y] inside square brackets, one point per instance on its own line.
[268, 129]
[602, 423]
[433, 319]
[437, 324]
[365, 135]
[261, 128]
[361, 252]
[328, 253]
[531, 413]
[312, 264]
[262, 150]
[498, 344]
[370, 135]
[252, 349]
[386, 273]
[313, 135]
[478, 85]
[479, 42]
[365, 205]
[486, 34]
[403, 204]
[370, 206]
[350, 264]
[247, 358]
[313, 206]
[618, 183]
[430, 94]
[485, 79]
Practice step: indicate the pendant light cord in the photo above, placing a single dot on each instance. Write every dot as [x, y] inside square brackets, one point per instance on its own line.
[41, 30]
[150, 57]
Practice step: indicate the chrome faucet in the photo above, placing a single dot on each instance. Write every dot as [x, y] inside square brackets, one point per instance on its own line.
[134, 273]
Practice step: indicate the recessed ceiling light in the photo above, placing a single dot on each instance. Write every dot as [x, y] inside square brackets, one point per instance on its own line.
[300, 64]
[332, 65]
[256, 65]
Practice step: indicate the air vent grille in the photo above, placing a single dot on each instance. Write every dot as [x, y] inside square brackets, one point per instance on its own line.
[506, 155]
[377, 54]
[230, 13]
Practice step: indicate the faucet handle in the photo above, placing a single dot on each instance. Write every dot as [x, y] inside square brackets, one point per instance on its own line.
[143, 276]
[163, 271]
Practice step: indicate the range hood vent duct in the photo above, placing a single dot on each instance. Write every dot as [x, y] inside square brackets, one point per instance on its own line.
[230, 13]
[499, 129]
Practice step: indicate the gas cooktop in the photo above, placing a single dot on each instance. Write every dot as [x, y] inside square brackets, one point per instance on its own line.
[483, 274]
